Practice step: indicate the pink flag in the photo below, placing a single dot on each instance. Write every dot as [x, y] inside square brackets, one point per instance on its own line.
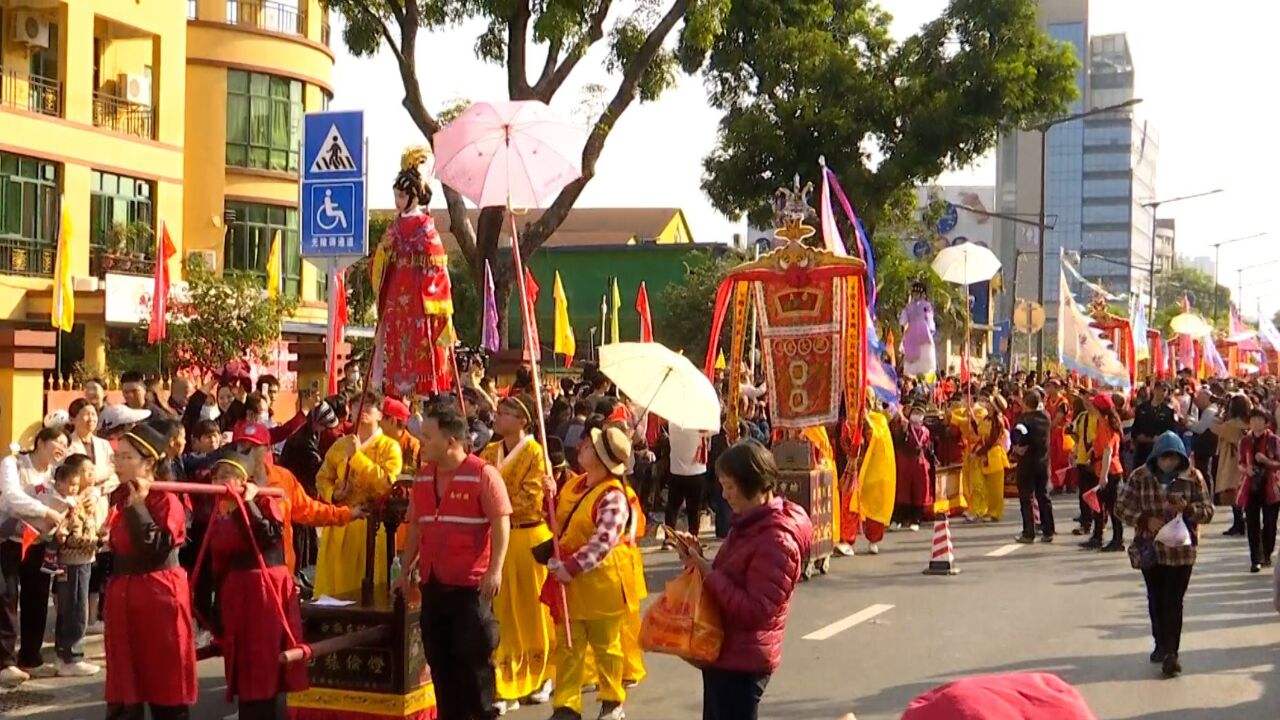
[830, 229]
[338, 319]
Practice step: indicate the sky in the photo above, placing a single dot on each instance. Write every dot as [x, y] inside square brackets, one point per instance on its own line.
[1203, 76]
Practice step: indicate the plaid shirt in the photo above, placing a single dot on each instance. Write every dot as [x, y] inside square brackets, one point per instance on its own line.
[1143, 497]
[611, 514]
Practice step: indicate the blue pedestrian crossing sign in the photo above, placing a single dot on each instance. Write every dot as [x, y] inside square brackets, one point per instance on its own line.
[334, 213]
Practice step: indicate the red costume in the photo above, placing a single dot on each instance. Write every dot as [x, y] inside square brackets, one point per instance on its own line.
[415, 300]
[256, 597]
[151, 652]
[912, 446]
[1059, 410]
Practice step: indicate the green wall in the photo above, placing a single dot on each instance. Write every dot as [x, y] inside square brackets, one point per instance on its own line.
[585, 273]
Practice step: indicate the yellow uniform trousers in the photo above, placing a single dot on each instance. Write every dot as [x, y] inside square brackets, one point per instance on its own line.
[603, 640]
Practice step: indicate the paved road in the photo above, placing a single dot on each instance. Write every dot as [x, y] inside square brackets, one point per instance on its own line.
[888, 633]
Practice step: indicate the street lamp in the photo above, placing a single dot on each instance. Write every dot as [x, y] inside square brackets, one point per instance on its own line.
[1217, 254]
[1044, 152]
[1240, 278]
[1155, 210]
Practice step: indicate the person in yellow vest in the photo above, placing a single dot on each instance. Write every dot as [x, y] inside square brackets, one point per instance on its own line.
[524, 623]
[593, 514]
[358, 470]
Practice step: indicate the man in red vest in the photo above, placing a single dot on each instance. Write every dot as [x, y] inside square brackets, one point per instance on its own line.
[459, 525]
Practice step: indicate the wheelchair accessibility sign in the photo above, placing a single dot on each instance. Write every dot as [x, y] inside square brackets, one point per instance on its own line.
[334, 215]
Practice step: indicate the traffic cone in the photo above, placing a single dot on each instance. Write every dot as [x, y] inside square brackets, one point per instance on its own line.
[943, 559]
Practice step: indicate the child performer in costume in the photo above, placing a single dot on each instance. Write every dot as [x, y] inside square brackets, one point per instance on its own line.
[524, 623]
[1058, 405]
[920, 356]
[414, 296]
[257, 600]
[993, 458]
[151, 651]
[914, 460]
[357, 470]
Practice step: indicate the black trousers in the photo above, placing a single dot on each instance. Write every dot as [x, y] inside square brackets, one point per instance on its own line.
[729, 695]
[1107, 496]
[1166, 587]
[1033, 482]
[25, 592]
[459, 635]
[139, 712]
[1087, 480]
[685, 490]
[264, 709]
[1260, 526]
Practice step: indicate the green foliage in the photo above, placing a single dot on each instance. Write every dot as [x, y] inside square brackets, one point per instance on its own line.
[896, 269]
[686, 324]
[1196, 286]
[218, 319]
[802, 79]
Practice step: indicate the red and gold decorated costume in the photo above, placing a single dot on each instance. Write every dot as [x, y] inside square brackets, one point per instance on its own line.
[415, 298]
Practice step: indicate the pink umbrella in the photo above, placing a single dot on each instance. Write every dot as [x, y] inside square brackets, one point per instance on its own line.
[509, 154]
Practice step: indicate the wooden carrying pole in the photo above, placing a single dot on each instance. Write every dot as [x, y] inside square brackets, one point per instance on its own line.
[201, 489]
[328, 646]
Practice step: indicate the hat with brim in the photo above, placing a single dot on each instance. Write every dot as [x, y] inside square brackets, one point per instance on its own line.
[116, 416]
[613, 447]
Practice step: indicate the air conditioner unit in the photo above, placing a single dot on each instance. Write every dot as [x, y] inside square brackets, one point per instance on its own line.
[207, 257]
[31, 30]
[135, 88]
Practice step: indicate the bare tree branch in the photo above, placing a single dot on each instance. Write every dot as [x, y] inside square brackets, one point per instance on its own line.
[549, 84]
[549, 65]
[517, 52]
[539, 231]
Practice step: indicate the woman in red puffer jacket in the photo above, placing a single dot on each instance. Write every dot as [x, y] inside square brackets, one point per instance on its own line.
[751, 580]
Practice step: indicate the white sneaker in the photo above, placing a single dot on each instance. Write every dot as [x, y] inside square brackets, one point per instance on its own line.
[915, 527]
[895, 526]
[506, 706]
[844, 549]
[13, 676]
[543, 695]
[47, 670]
[204, 638]
[95, 628]
[874, 549]
[77, 669]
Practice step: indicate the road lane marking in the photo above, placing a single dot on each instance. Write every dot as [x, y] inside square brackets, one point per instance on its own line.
[840, 626]
[1004, 550]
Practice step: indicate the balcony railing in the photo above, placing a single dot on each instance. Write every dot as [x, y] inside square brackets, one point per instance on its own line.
[32, 93]
[268, 15]
[23, 256]
[123, 116]
[102, 262]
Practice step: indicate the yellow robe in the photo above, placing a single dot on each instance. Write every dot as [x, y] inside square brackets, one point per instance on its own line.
[878, 474]
[994, 464]
[525, 629]
[340, 565]
[972, 485]
[633, 669]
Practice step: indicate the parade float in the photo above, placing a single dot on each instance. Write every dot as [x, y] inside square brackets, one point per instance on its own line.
[1119, 331]
[810, 310]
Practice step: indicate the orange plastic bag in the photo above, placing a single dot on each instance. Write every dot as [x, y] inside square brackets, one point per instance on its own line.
[684, 621]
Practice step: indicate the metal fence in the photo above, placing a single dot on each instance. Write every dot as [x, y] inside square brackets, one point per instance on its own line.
[32, 93]
[113, 113]
[268, 15]
[21, 256]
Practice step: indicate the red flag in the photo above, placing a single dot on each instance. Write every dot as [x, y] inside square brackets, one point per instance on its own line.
[165, 250]
[646, 320]
[29, 538]
[532, 290]
[337, 326]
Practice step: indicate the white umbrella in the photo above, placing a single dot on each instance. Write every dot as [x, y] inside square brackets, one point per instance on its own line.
[663, 382]
[1190, 324]
[966, 264]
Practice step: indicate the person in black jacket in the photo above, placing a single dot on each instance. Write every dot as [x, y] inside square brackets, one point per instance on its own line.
[1152, 419]
[1031, 442]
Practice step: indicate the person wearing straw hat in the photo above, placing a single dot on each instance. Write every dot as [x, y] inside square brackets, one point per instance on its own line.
[592, 515]
[147, 595]
[524, 624]
[257, 599]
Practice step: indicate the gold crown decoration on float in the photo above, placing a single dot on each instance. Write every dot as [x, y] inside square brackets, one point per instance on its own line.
[791, 211]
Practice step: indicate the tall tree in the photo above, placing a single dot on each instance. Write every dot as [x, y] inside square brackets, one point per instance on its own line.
[1197, 288]
[802, 79]
[516, 34]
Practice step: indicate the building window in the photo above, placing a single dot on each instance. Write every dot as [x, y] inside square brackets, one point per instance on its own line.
[122, 219]
[249, 237]
[28, 215]
[264, 121]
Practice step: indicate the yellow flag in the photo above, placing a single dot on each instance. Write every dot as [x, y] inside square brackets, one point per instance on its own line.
[273, 268]
[63, 316]
[720, 363]
[615, 306]
[565, 343]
